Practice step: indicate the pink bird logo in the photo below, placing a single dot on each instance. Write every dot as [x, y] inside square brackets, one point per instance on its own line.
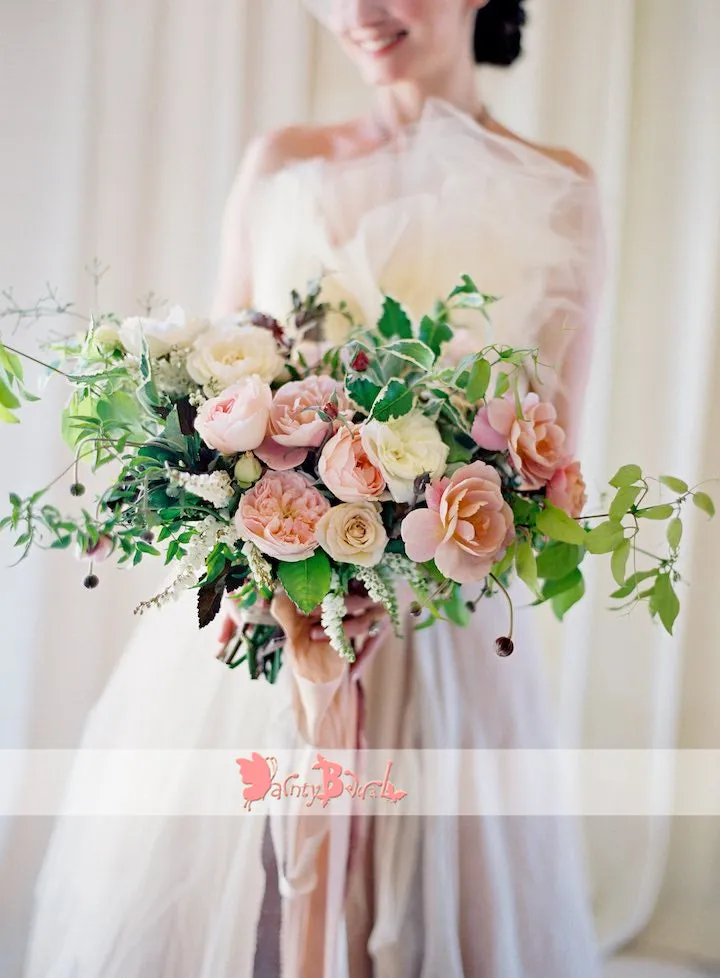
[257, 773]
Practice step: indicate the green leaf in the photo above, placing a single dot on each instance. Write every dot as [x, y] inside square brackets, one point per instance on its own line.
[626, 476]
[414, 351]
[306, 582]
[557, 560]
[479, 381]
[434, 333]
[502, 385]
[662, 512]
[393, 401]
[604, 538]
[505, 563]
[624, 499]
[468, 287]
[632, 582]
[15, 500]
[7, 397]
[11, 362]
[362, 391]
[571, 581]
[456, 609]
[676, 485]
[666, 602]
[394, 321]
[704, 503]
[557, 525]
[563, 602]
[525, 564]
[618, 561]
[7, 417]
[674, 532]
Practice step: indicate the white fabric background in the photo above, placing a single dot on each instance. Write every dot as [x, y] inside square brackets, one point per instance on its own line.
[122, 125]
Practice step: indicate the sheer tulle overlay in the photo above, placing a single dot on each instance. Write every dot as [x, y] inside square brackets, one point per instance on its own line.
[181, 897]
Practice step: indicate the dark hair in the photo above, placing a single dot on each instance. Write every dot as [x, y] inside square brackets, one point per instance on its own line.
[498, 32]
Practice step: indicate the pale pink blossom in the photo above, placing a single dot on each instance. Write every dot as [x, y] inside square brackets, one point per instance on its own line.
[567, 490]
[280, 515]
[535, 441]
[236, 420]
[346, 470]
[295, 424]
[466, 527]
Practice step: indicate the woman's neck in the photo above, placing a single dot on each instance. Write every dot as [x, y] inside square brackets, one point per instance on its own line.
[402, 104]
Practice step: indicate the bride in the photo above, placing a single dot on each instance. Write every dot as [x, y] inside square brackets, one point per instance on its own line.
[401, 202]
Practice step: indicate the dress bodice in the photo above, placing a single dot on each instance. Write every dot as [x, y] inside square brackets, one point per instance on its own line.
[449, 198]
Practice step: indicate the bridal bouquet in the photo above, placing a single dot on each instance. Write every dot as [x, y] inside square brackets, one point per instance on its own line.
[253, 462]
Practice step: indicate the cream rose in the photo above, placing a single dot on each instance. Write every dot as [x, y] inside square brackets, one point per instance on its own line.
[353, 533]
[226, 353]
[162, 335]
[403, 449]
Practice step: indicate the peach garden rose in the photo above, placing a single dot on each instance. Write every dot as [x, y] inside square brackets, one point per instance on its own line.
[566, 490]
[466, 527]
[280, 515]
[346, 470]
[295, 425]
[535, 441]
[353, 533]
[236, 420]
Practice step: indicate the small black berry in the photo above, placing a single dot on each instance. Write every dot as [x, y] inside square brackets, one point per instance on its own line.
[77, 489]
[504, 647]
[415, 609]
[91, 582]
[148, 536]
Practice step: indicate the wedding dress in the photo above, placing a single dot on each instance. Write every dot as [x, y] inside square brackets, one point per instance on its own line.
[180, 895]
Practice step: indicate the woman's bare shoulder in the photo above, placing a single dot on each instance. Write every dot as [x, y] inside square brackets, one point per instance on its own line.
[562, 156]
[272, 152]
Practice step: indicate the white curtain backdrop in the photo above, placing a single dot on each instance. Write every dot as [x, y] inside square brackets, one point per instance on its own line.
[123, 122]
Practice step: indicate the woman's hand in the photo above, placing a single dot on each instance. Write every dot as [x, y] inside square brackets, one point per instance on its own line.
[307, 645]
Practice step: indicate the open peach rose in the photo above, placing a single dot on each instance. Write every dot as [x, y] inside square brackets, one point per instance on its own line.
[566, 490]
[236, 420]
[466, 527]
[295, 424]
[535, 441]
[280, 515]
[346, 470]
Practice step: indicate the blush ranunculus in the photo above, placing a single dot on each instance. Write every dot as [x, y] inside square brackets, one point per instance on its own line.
[466, 527]
[295, 425]
[535, 441]
[346, 470]
[567, 490]
[236, 420]
[280, 515]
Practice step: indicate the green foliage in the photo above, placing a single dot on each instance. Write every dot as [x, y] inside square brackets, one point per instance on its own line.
[675, 485]
[563, 602]
[412, 351]
[557, 525]
[557, 560]
[665, 601]
[434, 333]
[478, 381]
[393, 401]
[662, 512]
[394, 321]
[306, 582]
[362, 391]
[626, 476]
[704, 503]
[618, 561]
[525, 564]
[625, 497]
[605, 538]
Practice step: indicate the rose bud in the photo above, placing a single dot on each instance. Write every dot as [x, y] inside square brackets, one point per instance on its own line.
[247, 470]
[360, 362]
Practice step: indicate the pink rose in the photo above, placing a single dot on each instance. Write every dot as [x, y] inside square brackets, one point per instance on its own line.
[466, 527]
[295, 425]
[236, 420]
[535, 442]
[346, 470]
[566, 490]
[280, 514]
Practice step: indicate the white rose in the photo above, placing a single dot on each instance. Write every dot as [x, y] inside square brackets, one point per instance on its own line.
[227, 353]
[403, 449]
[162, 335]
[353, 533]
